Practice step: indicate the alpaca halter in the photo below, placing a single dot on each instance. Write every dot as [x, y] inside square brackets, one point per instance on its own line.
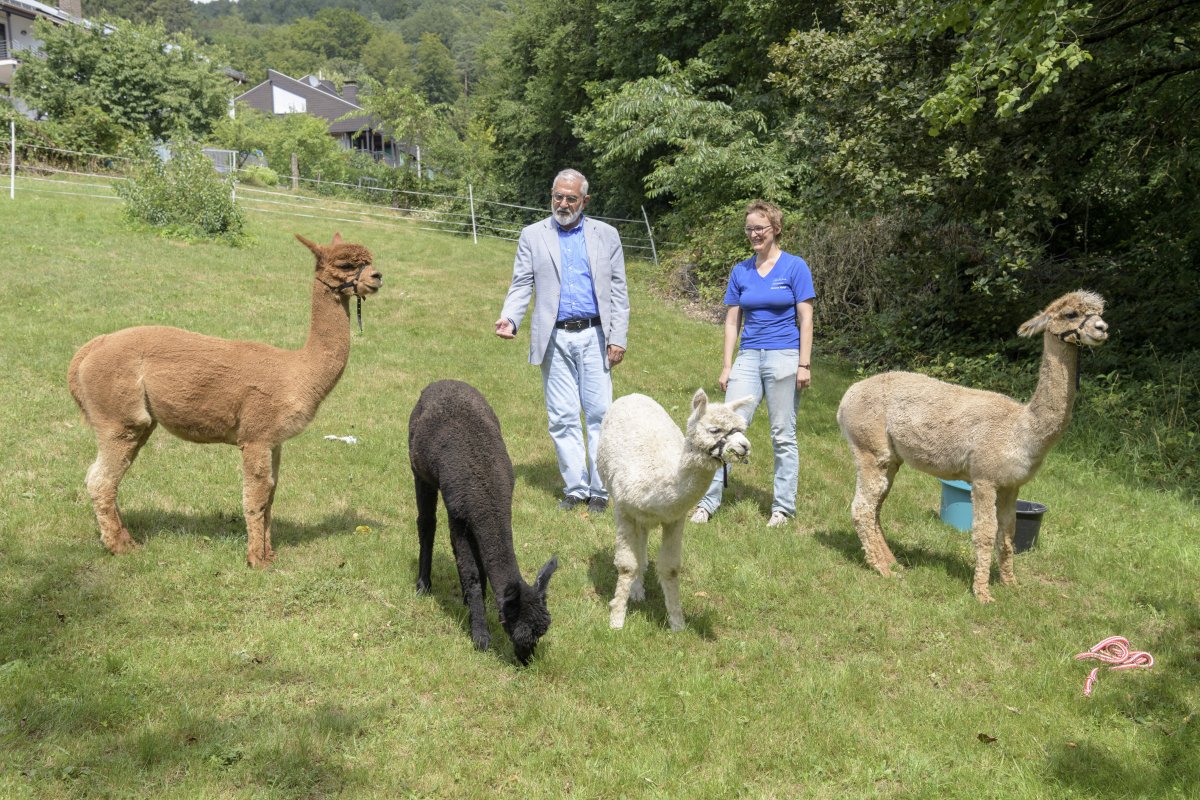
[352, 283]
[1077, 338]
[717, 452]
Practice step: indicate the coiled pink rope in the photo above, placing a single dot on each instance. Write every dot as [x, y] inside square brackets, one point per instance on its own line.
[1113, 651]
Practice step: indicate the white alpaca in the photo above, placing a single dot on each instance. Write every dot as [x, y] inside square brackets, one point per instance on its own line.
[654, 476]
[958, 433]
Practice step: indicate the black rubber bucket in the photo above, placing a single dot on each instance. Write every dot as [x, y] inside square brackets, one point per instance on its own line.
[1029, 522]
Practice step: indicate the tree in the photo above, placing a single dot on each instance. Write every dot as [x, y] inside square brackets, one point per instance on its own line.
[388, 59]
[435, 75]
[99, 85]
[175, 15]
[281, 136]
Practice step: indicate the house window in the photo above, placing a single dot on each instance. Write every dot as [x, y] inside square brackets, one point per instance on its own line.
[3, 41]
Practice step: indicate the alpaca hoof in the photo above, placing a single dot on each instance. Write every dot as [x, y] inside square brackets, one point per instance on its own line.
[121, 545]
[422, 587]
[482, 641]
[676, 625]
[637, 592]
[983, 596]
[616, 616]
[260, 562]
[1008, 580]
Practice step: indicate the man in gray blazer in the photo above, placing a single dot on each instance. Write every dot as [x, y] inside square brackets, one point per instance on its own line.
[574, 268]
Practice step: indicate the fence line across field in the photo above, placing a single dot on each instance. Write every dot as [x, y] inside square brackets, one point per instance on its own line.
[472, 220]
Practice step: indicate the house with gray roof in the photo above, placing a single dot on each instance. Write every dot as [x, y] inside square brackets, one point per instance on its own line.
[16, 30]
[281, 94]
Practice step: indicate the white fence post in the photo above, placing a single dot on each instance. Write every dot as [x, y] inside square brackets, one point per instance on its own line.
[12, 159]
[650, 233]
[471, 197]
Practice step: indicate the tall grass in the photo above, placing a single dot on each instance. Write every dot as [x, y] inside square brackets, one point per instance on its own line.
[176, 672]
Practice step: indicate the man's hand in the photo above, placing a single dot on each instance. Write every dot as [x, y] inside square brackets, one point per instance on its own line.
[615, 355]
[504, 328]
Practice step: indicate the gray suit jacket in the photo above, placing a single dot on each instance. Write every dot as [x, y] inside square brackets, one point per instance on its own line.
[537, 273]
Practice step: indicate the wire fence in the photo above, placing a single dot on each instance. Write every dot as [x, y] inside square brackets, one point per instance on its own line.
[48, 170]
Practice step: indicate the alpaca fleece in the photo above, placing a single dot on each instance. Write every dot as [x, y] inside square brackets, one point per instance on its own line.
[209, 390]
[655, 474]
[455, 447]
[958, 433]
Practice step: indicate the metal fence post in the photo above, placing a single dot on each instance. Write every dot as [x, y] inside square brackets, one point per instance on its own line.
[650, 233]
[471, 198]
[12, 159]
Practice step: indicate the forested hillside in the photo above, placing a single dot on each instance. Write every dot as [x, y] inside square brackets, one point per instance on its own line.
[945, 166]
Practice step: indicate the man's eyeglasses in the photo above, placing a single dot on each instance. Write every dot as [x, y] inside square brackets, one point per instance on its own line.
[570, 199]
[757, 229]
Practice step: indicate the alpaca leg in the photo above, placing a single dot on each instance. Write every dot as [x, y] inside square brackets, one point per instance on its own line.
[1006, 523]
[983, 503]
[276, 457]
[626, 562]
[427, 494]
[637, 590]
[257, 460]
[115, 453]
[471, 580]
[670, 560]
[871, 489]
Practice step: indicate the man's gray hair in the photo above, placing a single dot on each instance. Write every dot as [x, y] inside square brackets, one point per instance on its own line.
[577, 175]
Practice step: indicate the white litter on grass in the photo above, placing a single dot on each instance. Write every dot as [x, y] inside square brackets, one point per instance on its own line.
[346, 439]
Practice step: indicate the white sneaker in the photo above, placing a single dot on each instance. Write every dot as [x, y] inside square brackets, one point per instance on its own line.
[777, 518]
[700, 516]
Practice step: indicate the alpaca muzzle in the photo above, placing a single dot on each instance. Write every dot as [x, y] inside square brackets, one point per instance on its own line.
[733, 446]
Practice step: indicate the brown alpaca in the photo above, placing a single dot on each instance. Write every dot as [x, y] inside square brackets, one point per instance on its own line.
[206, 390]
[957, 433]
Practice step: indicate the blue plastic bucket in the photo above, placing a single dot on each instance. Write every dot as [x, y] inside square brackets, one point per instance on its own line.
[956, 512]
[956, 504]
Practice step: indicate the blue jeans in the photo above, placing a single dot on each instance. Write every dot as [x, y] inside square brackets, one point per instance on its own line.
[770, 374]
[576, 379]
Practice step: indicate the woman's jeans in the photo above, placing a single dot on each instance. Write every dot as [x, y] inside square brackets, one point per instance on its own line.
[770, 374]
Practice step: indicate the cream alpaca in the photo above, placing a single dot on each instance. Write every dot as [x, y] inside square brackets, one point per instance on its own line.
[210, 390]
[654, 476]
[957, 433]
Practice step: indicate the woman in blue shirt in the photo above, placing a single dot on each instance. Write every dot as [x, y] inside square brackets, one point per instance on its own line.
[769, 299]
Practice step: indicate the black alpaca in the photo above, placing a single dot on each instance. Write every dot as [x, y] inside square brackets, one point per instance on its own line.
[454, 445]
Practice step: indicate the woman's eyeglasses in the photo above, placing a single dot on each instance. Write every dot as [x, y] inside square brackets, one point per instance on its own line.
[757, 229]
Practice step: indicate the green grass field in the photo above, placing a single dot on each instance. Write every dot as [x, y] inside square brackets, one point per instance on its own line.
[176, 672]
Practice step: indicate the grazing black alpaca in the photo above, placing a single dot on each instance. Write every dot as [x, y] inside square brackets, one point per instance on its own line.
[454, 445]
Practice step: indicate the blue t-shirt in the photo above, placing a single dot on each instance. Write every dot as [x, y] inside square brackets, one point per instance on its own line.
[769, 304]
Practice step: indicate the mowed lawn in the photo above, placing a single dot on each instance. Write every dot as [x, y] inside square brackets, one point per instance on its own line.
[176, 672]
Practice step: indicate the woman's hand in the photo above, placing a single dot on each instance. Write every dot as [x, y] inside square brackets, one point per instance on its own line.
[723, 380]
[803, 377]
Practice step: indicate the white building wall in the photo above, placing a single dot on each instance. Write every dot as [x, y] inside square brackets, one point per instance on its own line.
[284, 102]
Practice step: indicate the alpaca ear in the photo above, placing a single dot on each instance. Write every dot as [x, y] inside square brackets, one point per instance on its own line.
[316, 248]
[744, 401]
[1035, 325]
[699, 406]
[337, 237]
[543, 576]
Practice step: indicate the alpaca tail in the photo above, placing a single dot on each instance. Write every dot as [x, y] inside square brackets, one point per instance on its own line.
[73, 382]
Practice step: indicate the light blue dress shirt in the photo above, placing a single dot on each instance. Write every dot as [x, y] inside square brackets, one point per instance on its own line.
[577, 296]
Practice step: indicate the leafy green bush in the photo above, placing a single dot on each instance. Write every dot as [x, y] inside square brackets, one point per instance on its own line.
[259, 176]
[183, 196]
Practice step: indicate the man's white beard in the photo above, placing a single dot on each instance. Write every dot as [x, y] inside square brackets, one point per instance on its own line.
[565, 217]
